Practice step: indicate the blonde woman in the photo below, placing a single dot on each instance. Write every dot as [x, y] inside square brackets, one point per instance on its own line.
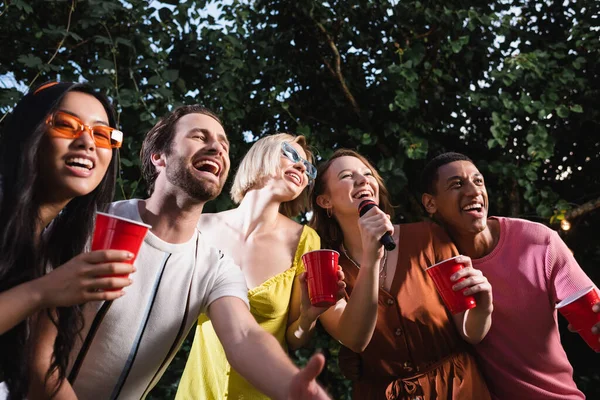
[270, 186]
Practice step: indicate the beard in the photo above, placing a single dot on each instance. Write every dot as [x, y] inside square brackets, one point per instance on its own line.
[197, 189]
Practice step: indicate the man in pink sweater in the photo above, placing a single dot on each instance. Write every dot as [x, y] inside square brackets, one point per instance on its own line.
[530, 269]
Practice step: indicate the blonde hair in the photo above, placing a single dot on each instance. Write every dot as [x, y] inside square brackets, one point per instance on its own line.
[262, 162]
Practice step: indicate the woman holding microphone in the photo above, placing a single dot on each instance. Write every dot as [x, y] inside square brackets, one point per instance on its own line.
[418, 350]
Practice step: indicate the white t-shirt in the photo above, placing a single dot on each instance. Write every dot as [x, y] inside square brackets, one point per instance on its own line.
[137, 336]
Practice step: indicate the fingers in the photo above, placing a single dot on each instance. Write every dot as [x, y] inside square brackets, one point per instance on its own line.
[596, 307]
[596, 328]
[105, 295]
[304, 290]
[465, 273]
[464, 260]
[112, 268]
[105, 256]
[109, 283]
[313, 368]
[475, 284]
[376, 223]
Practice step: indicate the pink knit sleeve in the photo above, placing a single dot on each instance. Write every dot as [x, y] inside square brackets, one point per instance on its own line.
[564, 274]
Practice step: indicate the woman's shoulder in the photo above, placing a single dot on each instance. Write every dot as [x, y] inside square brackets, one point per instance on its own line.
[308, 239]
[310, 234]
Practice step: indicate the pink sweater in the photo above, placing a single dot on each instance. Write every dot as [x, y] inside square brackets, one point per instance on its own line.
[530, 270]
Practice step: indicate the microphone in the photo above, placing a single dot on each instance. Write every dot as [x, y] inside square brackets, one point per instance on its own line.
[386, 240]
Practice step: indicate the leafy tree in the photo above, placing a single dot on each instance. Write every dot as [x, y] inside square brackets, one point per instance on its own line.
[514, 85]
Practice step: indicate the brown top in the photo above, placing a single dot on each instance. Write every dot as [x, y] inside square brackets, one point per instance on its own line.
[415, 349]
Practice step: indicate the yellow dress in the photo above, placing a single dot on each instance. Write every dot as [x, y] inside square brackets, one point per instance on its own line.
[207, 374]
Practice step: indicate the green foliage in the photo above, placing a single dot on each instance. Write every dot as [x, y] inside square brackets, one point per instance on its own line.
[514, 86]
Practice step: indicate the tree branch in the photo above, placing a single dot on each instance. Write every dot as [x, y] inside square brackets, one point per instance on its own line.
[113, 50]
[337, 70]
[583, 209]
[60, 44]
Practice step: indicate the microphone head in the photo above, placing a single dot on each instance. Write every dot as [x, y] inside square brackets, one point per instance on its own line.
[365, 206]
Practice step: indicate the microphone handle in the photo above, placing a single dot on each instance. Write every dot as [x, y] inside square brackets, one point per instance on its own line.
[386, 240]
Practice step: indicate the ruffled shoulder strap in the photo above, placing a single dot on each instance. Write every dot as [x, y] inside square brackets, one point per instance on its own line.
[309, 241]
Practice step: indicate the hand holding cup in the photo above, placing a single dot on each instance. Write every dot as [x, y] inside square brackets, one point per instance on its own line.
[322, 276]
[471, 282]
[118, 233]
[312, 312]
[457, 293]
[581, 309]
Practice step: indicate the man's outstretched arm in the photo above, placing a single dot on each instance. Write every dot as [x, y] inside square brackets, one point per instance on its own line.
[258, 357]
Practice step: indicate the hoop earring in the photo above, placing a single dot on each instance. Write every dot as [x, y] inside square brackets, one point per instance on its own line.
[329, 212]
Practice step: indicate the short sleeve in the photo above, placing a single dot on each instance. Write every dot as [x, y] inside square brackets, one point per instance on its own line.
[309, 241]
[564, 274]
[229, 280]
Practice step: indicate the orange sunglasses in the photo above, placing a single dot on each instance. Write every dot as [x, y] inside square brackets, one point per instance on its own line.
[64, 125]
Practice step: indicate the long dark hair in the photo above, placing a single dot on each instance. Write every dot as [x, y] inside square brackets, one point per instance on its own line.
[327, 227]
[23, 256]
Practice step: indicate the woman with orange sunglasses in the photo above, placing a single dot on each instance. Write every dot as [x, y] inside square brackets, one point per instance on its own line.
[58, 163]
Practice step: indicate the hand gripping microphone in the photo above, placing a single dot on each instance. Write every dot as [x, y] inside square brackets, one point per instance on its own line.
[386, 240]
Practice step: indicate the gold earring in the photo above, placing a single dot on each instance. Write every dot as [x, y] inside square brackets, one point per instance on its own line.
[329, 212]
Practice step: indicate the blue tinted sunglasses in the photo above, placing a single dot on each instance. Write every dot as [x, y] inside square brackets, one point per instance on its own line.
[292, 154]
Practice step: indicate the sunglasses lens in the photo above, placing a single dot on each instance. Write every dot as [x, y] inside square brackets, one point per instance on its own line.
[311, 171]
[293, 155]
[64, 125]
[102, 136]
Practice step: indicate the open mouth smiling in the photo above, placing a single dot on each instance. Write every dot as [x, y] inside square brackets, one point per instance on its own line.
[295, 177]
[209, 166]
[80, 163]
[362, 194]
[473, 207]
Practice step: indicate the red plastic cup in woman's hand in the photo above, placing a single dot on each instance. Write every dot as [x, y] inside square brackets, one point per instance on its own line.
[440, 273]
[321, 275]
[118, 233]
[577, 309]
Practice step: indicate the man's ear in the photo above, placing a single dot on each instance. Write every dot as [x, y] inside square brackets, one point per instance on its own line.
[323, 201]
[158, 160]
[428, 202]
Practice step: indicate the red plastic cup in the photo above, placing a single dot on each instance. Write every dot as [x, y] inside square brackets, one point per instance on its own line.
[440, 273]
[118, 233]
[577, 309]
[321, 275]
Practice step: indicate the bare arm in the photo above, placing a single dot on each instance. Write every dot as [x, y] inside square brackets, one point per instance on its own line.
[475, 323]
[340, 321]
[302, 317]
[43, 337]
[246, 344]
[18, 303]
[300, 324]
[75, 282]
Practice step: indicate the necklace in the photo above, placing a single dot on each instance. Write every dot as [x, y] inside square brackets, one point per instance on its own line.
[382, 269]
